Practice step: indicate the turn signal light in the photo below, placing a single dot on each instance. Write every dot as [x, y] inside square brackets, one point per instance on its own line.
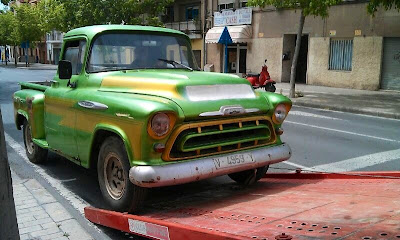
[279, 131]
[159, 147]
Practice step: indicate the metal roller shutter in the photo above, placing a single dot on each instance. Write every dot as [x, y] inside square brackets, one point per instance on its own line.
[391, 64]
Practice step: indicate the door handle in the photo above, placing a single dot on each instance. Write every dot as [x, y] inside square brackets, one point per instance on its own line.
[92, 105]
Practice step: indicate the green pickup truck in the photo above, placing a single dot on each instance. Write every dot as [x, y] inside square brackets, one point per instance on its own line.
[130, 102]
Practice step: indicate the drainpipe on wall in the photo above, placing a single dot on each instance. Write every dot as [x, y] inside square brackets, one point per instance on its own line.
[204, 33]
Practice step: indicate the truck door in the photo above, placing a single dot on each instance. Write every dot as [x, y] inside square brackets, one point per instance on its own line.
[61, 102]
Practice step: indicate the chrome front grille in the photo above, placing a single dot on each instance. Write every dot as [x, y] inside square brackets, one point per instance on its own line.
[201, 139]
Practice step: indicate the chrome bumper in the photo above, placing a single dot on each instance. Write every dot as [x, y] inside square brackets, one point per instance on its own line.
[184, 172]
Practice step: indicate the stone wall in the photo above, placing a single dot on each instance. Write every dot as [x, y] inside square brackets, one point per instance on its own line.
[265, 48]
[366, 64]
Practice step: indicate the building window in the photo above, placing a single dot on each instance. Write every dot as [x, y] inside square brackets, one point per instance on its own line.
[192, 13]
[169, 14]
[341, 54]
[243, 4]
[224, 6]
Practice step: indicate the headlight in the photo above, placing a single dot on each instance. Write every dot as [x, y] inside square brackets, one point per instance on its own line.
[159, 125]
[280, 113]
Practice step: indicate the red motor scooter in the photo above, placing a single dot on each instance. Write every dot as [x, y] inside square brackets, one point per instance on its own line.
[262, 80]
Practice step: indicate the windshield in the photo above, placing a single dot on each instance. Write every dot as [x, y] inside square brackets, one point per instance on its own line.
[122, 51]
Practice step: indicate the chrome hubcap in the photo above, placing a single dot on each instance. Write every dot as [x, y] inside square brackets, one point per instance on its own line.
[114, 176]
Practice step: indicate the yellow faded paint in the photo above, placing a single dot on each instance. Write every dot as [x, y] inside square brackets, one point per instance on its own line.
[89, 121]
[61, 108]
[144, 85]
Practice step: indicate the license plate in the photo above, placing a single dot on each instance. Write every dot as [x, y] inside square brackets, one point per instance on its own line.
[233, 160]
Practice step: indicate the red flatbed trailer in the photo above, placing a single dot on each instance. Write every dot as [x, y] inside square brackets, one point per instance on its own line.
[363, 205]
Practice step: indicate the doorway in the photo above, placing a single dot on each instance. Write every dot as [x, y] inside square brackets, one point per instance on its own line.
[237, 54]
[289, 44]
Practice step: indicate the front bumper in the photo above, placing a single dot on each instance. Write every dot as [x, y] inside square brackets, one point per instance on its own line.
[184, 172]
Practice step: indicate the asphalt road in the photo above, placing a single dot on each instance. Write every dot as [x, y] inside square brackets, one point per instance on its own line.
[321, 141]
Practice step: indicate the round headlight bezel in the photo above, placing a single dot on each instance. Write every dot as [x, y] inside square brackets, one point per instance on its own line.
[152, 124]
[280, 113]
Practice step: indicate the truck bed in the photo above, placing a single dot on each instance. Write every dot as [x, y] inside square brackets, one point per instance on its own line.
[301, 206]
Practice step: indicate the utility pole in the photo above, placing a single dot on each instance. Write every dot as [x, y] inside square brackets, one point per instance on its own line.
[8, 218]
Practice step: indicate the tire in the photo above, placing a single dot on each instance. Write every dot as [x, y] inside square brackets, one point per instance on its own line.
[34, 153]
[117, 190]
[270, 88]
[249, 177]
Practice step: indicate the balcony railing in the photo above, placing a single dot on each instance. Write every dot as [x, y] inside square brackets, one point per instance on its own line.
[54, 36]
[188, 27]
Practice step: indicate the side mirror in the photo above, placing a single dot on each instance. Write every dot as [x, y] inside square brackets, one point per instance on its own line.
[64, 69]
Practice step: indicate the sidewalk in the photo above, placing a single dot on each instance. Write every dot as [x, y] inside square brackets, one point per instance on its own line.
[40, 216]
[32, 66]
[375, 103]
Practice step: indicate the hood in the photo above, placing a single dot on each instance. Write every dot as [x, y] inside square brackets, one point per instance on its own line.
[197, 93]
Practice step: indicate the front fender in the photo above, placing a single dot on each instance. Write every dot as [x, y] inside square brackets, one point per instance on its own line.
[116, 130]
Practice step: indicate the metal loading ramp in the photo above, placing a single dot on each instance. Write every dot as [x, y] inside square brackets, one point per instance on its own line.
[300, 205]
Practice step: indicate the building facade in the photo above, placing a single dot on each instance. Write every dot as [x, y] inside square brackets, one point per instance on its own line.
[348, 49]
[188, 16]
[54, 41]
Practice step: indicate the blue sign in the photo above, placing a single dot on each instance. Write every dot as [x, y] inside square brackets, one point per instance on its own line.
[25, 44]
[225, 37]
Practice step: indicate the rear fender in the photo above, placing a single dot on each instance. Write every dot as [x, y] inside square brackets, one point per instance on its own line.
[29, 104]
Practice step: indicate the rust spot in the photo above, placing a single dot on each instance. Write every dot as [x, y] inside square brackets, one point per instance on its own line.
[158, 178]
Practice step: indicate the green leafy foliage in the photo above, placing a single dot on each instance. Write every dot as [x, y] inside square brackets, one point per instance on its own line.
[28, 22]
[374, 5]
[87, 12]
[51, 14]
[8, 29]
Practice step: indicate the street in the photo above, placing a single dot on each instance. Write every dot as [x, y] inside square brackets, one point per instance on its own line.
[321, 140]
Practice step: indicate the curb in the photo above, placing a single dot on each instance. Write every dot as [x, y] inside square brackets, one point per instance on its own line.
[347, 109]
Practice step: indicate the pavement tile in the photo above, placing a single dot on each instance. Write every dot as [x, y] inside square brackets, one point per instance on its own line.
[22, 211]
[23, 206]
[40, 221]
[42, 196]
[24, 236]
[53, 236]
[29, 201]
[74, 230]
[30, 229]
[56, 211]
[32, 184]
[25, 219]
[62, 238]
[49, 225]
[34, 209]
[45, 232]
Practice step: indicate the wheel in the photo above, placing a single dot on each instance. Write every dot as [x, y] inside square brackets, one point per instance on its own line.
[249, 176]
[113, 175]
[270, 88]
[34, 153]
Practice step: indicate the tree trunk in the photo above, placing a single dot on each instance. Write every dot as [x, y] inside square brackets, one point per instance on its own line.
[296, 56]
[5, 55]
[15, 57]
[8, 218]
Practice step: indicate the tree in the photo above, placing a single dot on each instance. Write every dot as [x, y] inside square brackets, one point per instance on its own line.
[87, 12]
[8, 218]
[373, 5]
[29, 25]
[307, 8]
[8, 30]
[51, 14]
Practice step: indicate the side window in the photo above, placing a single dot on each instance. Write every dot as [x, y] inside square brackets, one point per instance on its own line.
[75, 53]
